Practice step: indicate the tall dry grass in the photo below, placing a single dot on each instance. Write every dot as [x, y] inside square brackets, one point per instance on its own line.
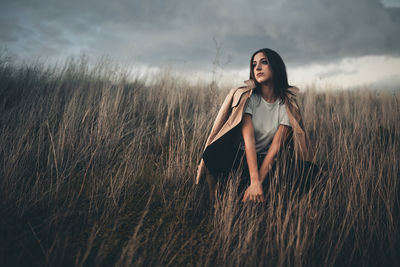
[97, 169]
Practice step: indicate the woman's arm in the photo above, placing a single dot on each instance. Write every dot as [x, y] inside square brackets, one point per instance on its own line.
[278, 140]
[254, 191]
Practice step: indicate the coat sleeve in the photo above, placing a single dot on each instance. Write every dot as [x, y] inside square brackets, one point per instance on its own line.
[222, 116]
[220, 120]
[301, 141]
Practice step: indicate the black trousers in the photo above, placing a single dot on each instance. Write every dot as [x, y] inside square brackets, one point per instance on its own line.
[294, 175]
[239, 164]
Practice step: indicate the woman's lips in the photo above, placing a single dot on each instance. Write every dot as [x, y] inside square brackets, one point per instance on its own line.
[259, 74]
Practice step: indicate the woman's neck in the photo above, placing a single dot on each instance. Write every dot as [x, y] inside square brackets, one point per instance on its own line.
[267, 92]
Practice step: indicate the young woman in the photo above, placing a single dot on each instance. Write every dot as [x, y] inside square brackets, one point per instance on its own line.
[255, 120]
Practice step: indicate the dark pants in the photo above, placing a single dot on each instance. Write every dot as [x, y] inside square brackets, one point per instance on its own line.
[239, 164]
[296, 176]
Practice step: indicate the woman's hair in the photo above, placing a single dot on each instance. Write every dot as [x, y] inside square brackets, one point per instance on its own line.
[278, 69]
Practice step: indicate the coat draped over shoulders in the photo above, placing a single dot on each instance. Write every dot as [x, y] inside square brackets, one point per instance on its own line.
[225, 128]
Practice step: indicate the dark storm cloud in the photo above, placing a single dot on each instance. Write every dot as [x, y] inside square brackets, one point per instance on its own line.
[181, 33]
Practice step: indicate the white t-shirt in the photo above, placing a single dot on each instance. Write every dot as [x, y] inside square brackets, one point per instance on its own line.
[266, 119]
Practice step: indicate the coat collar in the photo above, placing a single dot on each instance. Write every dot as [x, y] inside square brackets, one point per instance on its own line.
[250, 83]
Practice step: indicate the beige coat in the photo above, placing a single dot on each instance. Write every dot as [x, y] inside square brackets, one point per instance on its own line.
[231, 114]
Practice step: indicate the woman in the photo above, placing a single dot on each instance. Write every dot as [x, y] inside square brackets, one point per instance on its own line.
[257, 120]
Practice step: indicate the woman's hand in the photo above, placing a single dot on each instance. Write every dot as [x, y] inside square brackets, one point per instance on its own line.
[254, 192]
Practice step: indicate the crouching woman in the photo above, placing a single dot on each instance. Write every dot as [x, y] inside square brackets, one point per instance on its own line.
[254, 122]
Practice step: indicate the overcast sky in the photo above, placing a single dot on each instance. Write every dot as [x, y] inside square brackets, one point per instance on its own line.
[338, 41]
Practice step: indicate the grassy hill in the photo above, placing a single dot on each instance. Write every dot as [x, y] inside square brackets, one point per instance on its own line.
[97, 169]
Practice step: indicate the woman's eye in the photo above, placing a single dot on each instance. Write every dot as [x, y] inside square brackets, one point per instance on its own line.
[264, 62]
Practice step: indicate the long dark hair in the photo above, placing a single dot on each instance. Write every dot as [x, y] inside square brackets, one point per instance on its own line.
[278, 69]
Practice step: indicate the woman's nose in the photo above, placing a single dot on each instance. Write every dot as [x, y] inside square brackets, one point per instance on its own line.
[258, 66]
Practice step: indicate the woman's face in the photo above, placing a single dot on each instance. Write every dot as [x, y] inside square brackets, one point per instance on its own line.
[261, 69]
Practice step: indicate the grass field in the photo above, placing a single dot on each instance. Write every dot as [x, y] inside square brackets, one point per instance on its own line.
[98, 170]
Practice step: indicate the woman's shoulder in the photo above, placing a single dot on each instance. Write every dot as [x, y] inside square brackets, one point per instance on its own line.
[247, 86]
[237, 92]
[292, 91]
[291, 101]
[282, 105]
[291, 95]
[237, 89]
[254, 98]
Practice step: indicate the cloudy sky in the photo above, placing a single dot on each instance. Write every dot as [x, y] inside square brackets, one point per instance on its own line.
[340, 42]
